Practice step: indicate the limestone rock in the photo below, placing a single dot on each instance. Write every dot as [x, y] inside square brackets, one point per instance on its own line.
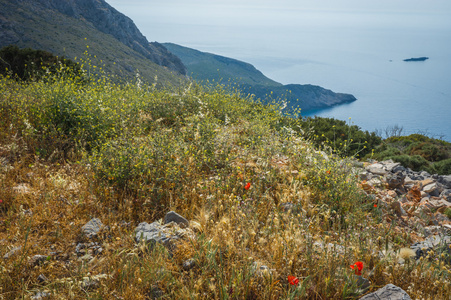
[391, 166]
[377, 169]
[92, 228]
[445, 180]
[152, 233]
[172, 216]
[432, 189]
[395, 181]
[389, 291]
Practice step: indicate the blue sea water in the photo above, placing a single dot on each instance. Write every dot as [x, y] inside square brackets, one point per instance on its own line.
[347, 51]
[370, 65]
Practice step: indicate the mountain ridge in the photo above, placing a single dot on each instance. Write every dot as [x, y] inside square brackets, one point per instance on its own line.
[207, 67]
[67, 28]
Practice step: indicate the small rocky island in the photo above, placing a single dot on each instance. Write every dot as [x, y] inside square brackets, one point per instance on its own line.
[416, 59]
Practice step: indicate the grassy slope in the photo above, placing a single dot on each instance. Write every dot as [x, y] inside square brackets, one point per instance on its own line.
[128, 154]
[64, 36]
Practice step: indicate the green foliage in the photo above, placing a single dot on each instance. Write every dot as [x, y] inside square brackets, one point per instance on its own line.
[441, 167]
[27, 64]
[448, 212]
[414, 162]
[417, 152]
[345, 139]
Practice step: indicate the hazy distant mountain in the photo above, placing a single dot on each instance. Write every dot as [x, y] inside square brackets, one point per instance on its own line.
[67, 27]
[207, 66]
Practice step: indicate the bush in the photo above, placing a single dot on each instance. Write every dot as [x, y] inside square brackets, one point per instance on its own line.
[417, 152]
[386, 152]
[415, 162]
[345, 139]
[442, 167]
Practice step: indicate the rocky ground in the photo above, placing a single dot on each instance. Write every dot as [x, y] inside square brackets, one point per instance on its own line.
[416, 203]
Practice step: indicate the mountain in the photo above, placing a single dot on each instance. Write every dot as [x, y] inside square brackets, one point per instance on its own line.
[206, 66]
[70, 27]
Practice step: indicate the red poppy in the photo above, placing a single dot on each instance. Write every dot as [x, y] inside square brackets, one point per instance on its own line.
[375, 205]
[293, 280]
[357, 267]
[248, 185]
[328, 172]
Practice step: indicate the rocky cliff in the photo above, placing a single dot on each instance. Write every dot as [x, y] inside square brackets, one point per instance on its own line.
[96, 14]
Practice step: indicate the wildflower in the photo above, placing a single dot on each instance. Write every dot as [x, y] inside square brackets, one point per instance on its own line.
[1, 201]
[328, 172]
[293, 280]
[357, 267]
[375, 205]
[247, 186]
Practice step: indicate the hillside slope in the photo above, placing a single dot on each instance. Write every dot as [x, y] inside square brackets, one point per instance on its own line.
[67, 28]
[207, 66]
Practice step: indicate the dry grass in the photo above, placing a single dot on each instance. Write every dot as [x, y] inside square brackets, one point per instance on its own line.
[128, 154]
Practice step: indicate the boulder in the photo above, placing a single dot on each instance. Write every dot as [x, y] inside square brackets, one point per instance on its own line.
[151, 233]
[92, 228]
[390, 166]
[432, 189]
[445, 180]
[377, 169]
[167, 234]
[395, 181]
[389, 291]
[446, 194]
[172, 216]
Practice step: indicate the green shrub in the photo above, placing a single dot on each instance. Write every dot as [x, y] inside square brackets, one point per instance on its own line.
[430, 151]
[345, 139]
[414, 162]
[442, 167]
[417, 152]
[385, 152]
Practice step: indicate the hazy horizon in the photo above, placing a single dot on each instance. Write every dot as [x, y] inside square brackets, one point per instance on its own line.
[217, 26]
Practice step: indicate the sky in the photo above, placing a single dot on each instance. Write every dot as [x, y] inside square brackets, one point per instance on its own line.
[151, 16]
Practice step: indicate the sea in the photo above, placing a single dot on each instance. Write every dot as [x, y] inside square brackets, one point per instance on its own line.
[355, 52]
